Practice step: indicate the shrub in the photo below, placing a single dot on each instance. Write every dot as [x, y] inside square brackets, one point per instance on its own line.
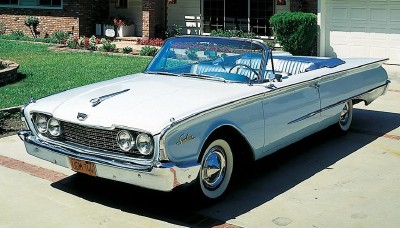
[87, 43]
[72, 42]
[127, 50]
[107, 46]
[175, 30]
[232, 33]
[18, 33]
[60, 37]
[32, 23]
[295, 31]
[148, 51]
[2, 27]
[152, 42]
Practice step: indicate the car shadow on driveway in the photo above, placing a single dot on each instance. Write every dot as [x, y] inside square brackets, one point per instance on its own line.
[265, 180]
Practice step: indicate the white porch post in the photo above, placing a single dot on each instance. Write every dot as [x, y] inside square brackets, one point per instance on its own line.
[321, 17]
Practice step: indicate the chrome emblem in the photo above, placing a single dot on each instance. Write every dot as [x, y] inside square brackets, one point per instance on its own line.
[81, 116]
[184, 138]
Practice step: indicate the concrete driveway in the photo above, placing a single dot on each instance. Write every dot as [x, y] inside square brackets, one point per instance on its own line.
[321, 181]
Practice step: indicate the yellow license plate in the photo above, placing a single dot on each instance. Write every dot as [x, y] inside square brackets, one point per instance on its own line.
[81, 166]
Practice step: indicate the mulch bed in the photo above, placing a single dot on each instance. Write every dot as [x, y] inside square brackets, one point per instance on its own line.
[10, 122]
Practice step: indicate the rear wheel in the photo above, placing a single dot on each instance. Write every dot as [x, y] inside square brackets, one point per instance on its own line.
[216, 169]
[346, 117]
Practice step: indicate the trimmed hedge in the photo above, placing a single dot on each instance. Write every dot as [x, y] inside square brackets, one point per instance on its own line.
[295, 31]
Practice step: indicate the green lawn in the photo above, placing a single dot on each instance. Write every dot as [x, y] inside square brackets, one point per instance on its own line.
[45, 72]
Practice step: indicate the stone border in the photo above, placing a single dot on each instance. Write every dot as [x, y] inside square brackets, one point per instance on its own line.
[64, 48]
[11, 110]
[9, 73]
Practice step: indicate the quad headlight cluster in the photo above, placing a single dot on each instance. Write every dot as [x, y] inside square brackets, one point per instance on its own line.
[129, 141]
[47, 125]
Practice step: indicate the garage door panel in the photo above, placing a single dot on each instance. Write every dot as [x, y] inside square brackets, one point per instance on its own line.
[378, 52]
[359, 50]
[363, 28]
[378, 15]
[358, 14]
[395, 15]
[339, 14]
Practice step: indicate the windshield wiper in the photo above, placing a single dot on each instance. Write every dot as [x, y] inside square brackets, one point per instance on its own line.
[161, 73]
[215, 78]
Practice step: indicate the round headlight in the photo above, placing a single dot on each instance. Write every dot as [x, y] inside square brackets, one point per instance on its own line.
[54, 127]
[41, 123]
[125, 140]
[144, 144]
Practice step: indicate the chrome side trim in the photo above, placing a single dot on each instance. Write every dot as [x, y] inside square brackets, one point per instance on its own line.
[272, 92]
[368, 97]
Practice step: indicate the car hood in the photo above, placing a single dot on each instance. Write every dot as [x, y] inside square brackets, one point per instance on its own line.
[147, 102]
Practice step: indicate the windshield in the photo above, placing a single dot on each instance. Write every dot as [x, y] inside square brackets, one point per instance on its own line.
[225, 59]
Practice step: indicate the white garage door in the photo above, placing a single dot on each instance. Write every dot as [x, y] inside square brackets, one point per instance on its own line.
[363, 28]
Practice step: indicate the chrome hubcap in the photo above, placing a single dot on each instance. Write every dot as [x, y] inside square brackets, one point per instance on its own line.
[344, 114]
[213, 168]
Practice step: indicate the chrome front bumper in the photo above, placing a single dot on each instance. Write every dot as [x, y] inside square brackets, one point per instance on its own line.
[156, 175]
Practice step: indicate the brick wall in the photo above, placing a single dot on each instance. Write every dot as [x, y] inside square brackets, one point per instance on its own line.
[78, 18]
[310, 6]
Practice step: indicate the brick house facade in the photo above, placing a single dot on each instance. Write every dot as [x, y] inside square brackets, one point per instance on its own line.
[76, 18]
[80, 18]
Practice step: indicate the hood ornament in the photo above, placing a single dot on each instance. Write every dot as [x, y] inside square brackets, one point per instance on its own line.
[81, 116]
[98, 100]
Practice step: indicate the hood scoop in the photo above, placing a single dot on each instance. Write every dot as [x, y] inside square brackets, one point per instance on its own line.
[96, 101]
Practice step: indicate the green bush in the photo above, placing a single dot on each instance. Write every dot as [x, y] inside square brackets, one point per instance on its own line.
[2, 27]
[148, 51]
[107, 46]
[232, 33]
[295, 31]
[60, 36]
[176, 30]
[127, 50]
[18, 33]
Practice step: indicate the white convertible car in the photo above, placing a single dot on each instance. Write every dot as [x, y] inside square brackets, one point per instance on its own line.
[202, 107]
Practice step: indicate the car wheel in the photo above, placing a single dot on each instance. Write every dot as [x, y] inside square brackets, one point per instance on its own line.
[216, 169]
[346, 116]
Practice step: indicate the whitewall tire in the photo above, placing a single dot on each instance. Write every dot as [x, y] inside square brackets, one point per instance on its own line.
[216, 169]
[346, 117]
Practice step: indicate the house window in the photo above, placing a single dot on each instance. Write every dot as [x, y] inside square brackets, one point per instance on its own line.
[245, 15]
[9, 2]
[122, 4]
[50, 2]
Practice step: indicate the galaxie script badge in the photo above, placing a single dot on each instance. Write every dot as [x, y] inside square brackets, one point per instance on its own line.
[81, 116]
[184, 138]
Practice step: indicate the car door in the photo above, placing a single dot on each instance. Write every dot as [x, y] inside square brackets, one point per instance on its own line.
[290, 113]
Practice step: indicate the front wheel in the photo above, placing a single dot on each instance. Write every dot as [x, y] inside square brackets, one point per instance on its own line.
[216, 169]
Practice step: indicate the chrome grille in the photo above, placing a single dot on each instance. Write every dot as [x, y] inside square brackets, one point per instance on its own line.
[91, 137]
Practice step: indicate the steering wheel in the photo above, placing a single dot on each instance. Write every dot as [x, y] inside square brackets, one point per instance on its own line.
[247, 66]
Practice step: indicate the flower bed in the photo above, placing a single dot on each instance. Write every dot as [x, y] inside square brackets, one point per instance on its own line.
[8, 71]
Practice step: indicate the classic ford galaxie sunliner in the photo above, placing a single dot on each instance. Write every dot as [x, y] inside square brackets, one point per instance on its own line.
[202, 107]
